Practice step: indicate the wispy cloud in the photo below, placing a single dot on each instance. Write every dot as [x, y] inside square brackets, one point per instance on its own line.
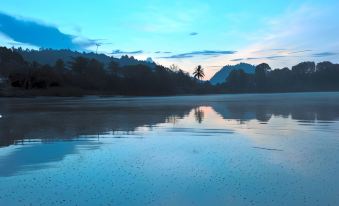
[301, 51]
[253, 58]
[162, 52]
[127, 52]
[161, 19]
[324, 54]
[199, 53]
[237, 60]
[292, 37]
[273, 57]
[40, 35]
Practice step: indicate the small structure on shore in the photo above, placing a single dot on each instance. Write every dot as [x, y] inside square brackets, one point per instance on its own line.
[3, 81]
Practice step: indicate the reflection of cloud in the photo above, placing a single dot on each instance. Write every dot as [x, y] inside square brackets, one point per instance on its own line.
[200, 53]
[127, 52]
[41, 35]
[28, 157]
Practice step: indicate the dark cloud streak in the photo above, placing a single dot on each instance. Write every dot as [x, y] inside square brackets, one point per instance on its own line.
[324, 54]
[194, 33]
[256, 58]
[199, 53]
[126, 52]
[40, 35]
[301, 51]
[161, 52]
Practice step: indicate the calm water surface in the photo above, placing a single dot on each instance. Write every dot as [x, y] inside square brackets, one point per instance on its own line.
[271, 149]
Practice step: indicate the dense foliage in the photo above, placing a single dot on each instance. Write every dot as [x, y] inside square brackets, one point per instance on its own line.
[89, 76]
[82, 75]
[306, 76]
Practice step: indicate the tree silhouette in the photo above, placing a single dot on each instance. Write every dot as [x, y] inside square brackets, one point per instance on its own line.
[72, 74]
[199, 72]
[260, 76]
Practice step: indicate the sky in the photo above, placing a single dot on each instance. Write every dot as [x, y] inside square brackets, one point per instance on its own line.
[186, 33]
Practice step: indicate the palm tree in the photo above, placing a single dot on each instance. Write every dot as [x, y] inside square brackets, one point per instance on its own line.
[199, 72]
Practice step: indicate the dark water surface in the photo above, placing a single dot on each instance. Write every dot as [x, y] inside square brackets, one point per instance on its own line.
[268, 149]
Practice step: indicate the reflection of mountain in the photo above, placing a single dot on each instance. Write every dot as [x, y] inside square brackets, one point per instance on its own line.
[308, 107]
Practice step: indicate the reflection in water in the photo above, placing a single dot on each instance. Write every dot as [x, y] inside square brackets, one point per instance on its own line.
[242, 149]
[50, 118]
[198, 114]
[32, 155]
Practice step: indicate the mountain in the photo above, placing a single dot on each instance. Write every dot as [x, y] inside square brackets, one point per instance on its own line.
[50, 56]
[222, 74]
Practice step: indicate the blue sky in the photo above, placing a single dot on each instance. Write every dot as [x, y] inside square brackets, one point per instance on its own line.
[183, 32]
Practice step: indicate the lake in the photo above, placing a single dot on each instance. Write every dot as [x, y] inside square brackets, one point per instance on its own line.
[246, 149]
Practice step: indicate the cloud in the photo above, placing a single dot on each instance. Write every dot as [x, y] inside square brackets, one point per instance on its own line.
[169, 17]
[292, 37]
[302, 51]
[193, 33]
[161, 52]
[84, 42]
[258, 58]
[275, 57]
[324, 54]
[127, 52]
[253, 58]
[199, 53]
[178, 56]
[237, 60]
[40, 35]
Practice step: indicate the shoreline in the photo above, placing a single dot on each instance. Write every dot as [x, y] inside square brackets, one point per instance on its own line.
[158, 96]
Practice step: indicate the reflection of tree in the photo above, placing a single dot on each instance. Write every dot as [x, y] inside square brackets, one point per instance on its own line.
[308, 107]
[81, 117]
[262, 113]
[199, 114]
[172, 119]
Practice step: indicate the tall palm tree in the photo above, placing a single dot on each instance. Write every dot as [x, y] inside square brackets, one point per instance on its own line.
[199, 72]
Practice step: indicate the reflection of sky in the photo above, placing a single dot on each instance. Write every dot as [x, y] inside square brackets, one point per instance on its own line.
[37, 155]
[185, 161]
[277, 133]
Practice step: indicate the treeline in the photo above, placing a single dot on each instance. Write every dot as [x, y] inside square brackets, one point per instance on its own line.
[306, 76]
[86, 76]
[82, 76]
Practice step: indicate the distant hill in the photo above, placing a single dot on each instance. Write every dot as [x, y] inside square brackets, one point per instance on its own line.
[222, 74]
[50, 56]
